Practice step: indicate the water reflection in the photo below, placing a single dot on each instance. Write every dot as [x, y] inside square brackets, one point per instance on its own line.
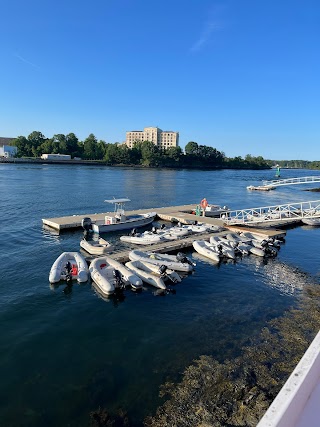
[116, 298]
[277, 274]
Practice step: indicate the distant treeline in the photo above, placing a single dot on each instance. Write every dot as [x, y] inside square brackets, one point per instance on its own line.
[143, 153]
[297, 164]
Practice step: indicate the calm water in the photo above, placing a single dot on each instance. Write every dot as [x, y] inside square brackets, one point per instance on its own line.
[64, 355]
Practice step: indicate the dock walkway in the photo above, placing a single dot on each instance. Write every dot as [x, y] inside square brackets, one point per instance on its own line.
[172, 214]
[122, 255]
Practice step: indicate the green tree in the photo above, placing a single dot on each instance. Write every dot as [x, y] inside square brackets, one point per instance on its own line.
[36, 139]
[174, 153]
[59, 141]
[24, 148]
[92, 150]
[149, 154]
[111, 154]
[74, 148]
[191, 148]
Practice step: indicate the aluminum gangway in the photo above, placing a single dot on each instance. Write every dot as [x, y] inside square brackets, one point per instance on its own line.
[289, 181]
[287, 212]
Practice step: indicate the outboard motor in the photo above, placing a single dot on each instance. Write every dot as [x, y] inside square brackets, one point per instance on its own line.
[270, 251]
[162, 226]
[179, 224]
[118, 279]
[68, 267]
[237, 250]
[181, 257]
[69, 279]
[68, 273]
[163, 270]
[219, 247]
[195, 223]
[133, 232]
[154, 230]
[276, 244]
[86, 224]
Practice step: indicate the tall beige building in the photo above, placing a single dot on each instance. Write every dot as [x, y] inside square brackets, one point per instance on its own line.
[163, 139]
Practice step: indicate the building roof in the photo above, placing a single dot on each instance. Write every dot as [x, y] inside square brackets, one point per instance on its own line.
[6, 141]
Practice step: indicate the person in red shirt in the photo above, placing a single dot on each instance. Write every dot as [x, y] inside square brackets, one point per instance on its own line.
[204, 203]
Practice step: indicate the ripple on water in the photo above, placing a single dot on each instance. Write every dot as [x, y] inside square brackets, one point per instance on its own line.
[86, 352]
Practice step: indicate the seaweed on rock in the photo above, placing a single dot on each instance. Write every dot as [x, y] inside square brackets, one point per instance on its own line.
[238, 392]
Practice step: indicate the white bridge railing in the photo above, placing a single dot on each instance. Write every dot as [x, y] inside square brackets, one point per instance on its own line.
[291, 181]
[283, 212]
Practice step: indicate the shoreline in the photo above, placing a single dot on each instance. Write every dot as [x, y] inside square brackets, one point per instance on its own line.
[71, 162]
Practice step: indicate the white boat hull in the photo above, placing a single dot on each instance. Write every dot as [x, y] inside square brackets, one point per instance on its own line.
[147, 272]
[160, 259]
[101, 270]
[96, 247]
[134, 221]
[196, 228]
[206, 249]
[227, 248]
[216, 210]
[173, 233]
[150, 274]
[79, 266]
[143, 239]
[315, 222]
[257, 251]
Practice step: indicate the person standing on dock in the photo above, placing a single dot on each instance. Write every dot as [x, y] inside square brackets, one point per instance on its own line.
[204, 204]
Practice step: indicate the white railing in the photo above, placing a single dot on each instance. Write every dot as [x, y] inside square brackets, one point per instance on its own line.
[284, 212]
[297, 404]
[291, 181]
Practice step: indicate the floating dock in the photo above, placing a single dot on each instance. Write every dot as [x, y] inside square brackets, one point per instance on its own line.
[171, 214]
[181, 214]
[122, 255]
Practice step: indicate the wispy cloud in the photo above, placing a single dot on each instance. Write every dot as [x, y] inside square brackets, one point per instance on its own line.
[209, 28]
[214, 22]
[25, 60]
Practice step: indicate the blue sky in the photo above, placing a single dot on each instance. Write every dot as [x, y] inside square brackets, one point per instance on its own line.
[239, 75]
